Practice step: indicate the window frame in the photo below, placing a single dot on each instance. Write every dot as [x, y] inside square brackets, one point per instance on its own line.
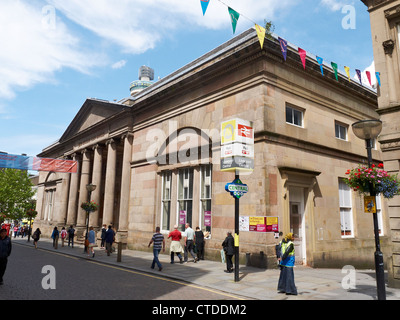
[338, 132]
[294, 109]
[345, 210]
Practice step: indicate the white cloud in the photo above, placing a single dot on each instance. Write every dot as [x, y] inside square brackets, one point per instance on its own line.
[33, 47]
[119, 64]
[137, 26]
[334, 5]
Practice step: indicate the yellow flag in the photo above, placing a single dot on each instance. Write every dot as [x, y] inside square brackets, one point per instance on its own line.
[261, 34]
[347, 69]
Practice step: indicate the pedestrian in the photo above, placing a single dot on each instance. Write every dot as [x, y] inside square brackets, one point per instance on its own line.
[229, 249]
[63, 236]
[109, 239]
[5, 251]
[176, 246]
[286, 278]
[92, 242]
[36, 237]
[199, 240]
[103, 236]
[159, 243]
[189, 243]
[278, 249]
[55, 235]
[71, 235]
[15, 231]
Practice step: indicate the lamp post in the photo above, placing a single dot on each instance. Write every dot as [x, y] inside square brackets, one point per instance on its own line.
[369, 130]
[90, 188]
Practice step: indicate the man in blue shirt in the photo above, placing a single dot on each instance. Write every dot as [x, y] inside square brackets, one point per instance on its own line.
[109, 239]
[159, 242]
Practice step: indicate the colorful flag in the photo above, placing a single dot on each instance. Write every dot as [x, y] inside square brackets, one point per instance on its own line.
[320, 62]
[303, 55]
[261, 34]
[283, 44]
[234, 18]
[334, 66]
[378, 77]
[359, 75]
[368, 77]
[204, 5]
[347, 69]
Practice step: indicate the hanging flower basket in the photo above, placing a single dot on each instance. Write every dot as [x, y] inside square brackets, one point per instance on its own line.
[31, 213]
[383, 183]
[89, 206]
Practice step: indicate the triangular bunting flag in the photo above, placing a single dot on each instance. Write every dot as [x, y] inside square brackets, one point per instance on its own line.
[320, 62]
[359, 75]
[378, 77]
[303, 55]
[261, 34]
[204, 5]
[334, 66]
[283, 44]
[234, 18]
[368, 77]
[347, 69]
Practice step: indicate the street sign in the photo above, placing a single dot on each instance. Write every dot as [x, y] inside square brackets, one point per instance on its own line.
[237, 163]
[237, 130]
[237, 150]
[236, 188]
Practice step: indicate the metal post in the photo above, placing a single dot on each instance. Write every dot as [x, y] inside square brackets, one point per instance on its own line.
[236, 232]
[379, 266]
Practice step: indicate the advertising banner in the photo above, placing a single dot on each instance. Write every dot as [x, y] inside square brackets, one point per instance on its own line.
[258, 224]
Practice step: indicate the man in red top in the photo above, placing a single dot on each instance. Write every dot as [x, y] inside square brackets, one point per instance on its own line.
[175, 244]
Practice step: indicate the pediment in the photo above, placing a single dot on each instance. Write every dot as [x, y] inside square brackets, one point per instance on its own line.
[92, 112]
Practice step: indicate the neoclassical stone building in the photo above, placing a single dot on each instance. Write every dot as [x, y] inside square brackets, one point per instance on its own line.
[385, 29]
[155, 157]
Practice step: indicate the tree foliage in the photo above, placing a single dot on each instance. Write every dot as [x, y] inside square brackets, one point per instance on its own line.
[15, 193]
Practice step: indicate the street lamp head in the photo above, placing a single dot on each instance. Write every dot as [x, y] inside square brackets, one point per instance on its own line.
[90, 187]
[367, 129]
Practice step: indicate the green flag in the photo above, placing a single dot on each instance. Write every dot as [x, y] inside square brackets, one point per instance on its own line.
[334, 66]
[234, 18]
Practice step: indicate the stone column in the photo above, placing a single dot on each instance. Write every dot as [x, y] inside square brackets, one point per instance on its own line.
[96, 180]
[125, 185]
[73, 195]
[62, 195]
[83, 193]
[109, 192]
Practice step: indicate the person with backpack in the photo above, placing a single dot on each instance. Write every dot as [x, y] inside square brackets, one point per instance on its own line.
[36, 237]
[71, 234]
[55, 235]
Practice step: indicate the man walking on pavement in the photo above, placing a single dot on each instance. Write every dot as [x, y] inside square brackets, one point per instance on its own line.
[109, 239]
[5, 251]
[189, 242]
[159, 242]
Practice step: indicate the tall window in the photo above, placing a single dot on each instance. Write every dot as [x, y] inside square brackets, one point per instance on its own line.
[294, 116]
[49, 204]
[205, 197]
[166, 200]
[398, 33]
[340, 131]
[346, 214]
[185, 197]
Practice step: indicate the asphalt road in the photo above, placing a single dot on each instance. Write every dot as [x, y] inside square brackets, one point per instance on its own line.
[36, 274]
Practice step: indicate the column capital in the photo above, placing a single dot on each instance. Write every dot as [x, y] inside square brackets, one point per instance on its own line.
[127, 135]
[110, 141]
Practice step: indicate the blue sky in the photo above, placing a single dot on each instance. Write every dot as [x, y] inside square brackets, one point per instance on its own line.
[55, 53]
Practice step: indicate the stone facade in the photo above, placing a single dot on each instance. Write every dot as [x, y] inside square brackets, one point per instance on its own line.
[156, 156]
[385, 27]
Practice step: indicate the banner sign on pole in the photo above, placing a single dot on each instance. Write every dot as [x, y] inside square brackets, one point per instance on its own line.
[258, 224]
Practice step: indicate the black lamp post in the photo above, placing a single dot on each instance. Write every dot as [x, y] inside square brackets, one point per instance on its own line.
[90, 188]
[369, 130]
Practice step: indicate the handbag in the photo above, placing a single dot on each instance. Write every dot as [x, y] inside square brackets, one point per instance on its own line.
[86, 242]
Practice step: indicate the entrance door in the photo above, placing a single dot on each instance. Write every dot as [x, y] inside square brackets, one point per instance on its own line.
[297, 223]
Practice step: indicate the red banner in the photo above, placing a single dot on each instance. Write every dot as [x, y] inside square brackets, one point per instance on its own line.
[56, 165]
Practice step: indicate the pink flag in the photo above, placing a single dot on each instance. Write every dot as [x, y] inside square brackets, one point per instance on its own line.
[369, 77]
[303, 54]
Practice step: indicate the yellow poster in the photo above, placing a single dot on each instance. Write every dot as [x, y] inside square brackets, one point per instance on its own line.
[256, 220]
[272, 220]
[228, 131]
[369, 204]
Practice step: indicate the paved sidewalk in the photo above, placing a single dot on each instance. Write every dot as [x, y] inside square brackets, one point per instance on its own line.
[312, 284]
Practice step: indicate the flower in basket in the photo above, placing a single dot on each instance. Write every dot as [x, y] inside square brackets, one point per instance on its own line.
[89, 206]
[383, 183]
[31, 213]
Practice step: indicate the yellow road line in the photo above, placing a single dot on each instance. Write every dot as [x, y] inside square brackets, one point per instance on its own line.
[168, 280]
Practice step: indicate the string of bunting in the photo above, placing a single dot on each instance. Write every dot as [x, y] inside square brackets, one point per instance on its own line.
[261, 31]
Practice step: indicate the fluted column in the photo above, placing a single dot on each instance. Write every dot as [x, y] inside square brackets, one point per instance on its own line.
[73, 195]
[125, 183]
[96, 180]
[83, 193]
[62, 193]
[109, 192]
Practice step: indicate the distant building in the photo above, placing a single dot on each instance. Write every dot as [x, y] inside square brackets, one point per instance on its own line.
[385, 29]
[155, 157]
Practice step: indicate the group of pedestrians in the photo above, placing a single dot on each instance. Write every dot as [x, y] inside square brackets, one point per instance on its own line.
[192, 239]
